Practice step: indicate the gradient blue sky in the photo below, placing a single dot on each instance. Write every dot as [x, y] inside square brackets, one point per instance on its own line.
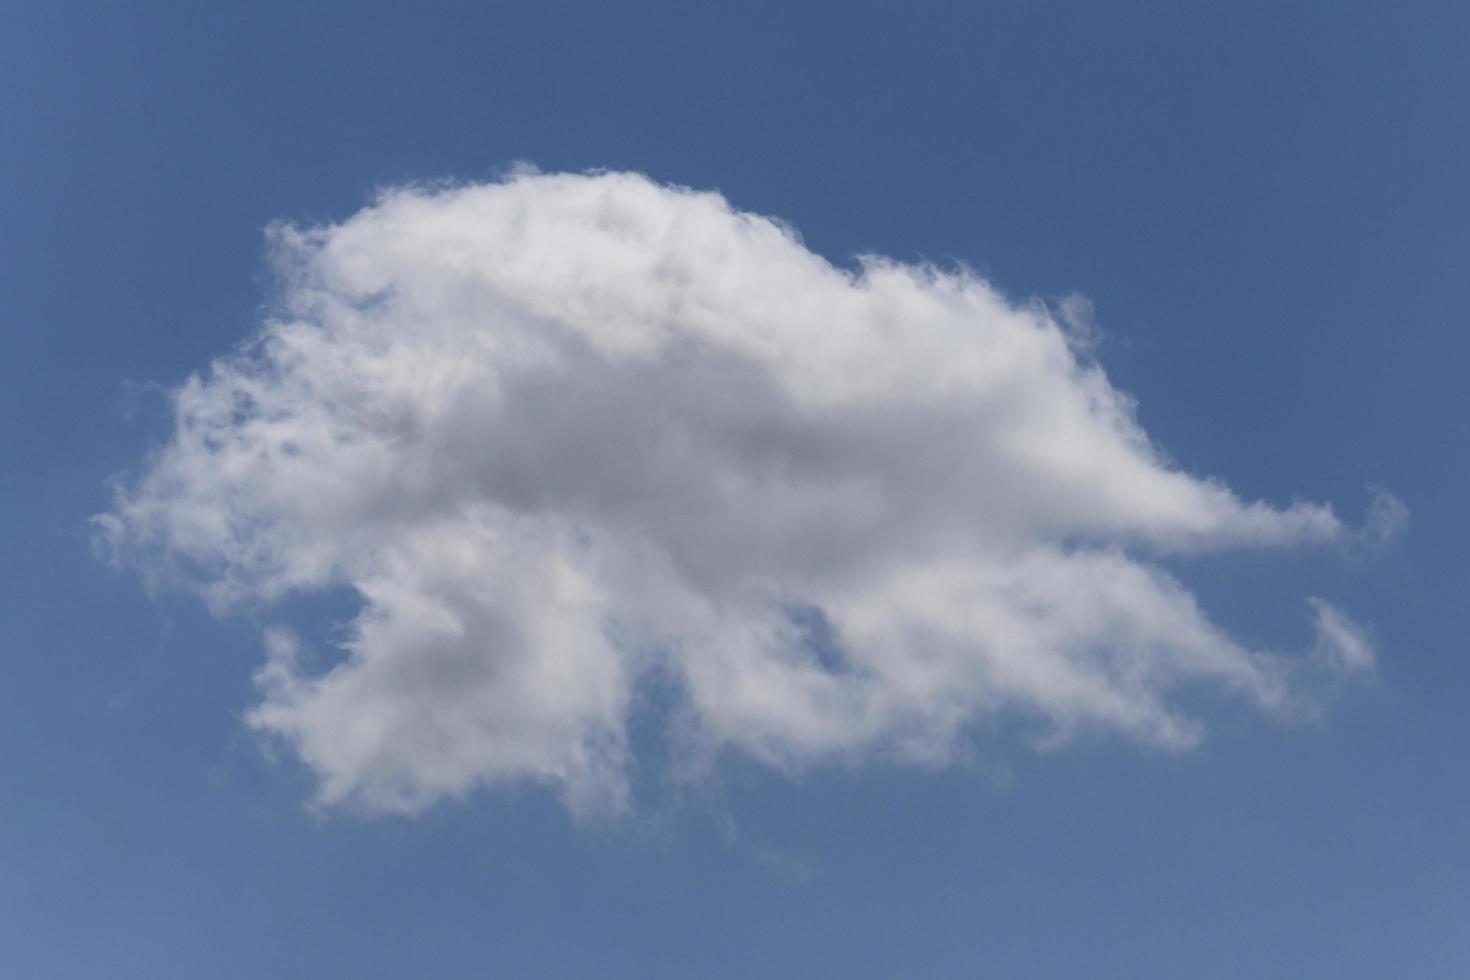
[1267, 204]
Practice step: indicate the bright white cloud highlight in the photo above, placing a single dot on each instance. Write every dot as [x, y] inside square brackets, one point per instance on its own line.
[563, 433]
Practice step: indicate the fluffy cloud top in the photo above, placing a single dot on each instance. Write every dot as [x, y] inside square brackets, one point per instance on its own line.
[564, 433]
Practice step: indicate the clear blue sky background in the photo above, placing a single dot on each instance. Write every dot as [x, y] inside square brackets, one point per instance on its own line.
[1267, 202]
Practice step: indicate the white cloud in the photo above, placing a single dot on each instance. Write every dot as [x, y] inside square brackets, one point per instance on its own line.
[1388, 518]
[564, 432]
[1341, 643]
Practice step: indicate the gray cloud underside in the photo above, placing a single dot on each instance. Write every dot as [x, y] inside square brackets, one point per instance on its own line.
[562, 432]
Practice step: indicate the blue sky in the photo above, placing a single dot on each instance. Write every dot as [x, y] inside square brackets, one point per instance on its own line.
[1265, 204]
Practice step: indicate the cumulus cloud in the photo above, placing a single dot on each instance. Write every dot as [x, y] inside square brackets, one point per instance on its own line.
[565, 433]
